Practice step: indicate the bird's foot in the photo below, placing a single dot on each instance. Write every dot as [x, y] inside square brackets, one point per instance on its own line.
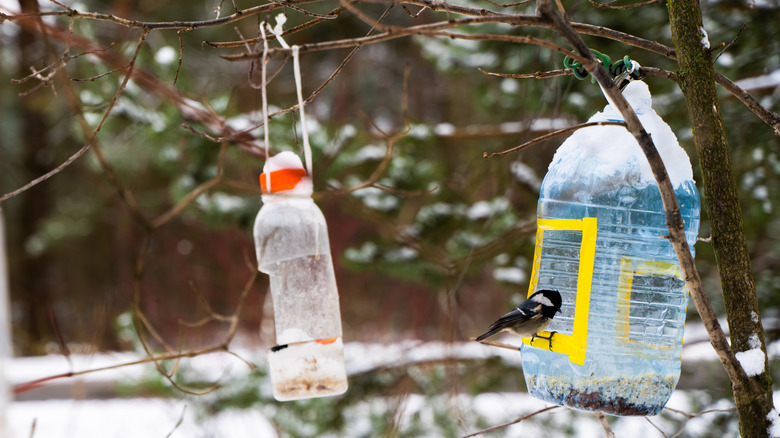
[549, 338]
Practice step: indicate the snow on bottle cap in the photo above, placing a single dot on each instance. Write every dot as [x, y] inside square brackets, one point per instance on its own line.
[286, 175]
[612, 150]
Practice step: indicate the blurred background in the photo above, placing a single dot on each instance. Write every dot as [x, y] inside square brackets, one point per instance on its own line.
[427, 256]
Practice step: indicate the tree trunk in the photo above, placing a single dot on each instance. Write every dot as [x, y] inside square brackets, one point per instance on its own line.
[753, 396]
[32, 330]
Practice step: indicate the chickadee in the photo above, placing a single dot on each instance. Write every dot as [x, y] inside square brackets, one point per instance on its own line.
[529, 318]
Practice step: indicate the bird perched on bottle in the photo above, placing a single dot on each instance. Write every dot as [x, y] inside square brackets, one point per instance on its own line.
[529, 318]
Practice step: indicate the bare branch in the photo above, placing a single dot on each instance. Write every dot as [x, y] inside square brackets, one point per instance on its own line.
[181, 56]
[158, 25]
[769, 117]
[731, 43]
[537, 75]
[610, 5]
[476, 16]
[656, 427]
[185, 201]
[178, 423]
[501, 426]
[551, 135]
[508, 5]
[329, 16]
[608, 433]
[497, 344]
[24, 387]
[91, 139]
[96, 77]
[47, 175]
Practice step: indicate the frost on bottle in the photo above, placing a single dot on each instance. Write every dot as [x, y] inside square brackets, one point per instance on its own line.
[292, 247]
[601, 243]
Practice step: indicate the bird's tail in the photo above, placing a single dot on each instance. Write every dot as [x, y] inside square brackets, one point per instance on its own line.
[489, 333]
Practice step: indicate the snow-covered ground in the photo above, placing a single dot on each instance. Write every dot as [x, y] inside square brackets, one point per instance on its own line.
[132, 418]
[77, 407]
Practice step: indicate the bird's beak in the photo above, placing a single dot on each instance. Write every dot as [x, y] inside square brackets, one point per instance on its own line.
[559, 310]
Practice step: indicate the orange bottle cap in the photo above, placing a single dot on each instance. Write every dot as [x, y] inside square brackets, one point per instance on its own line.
[282, 180]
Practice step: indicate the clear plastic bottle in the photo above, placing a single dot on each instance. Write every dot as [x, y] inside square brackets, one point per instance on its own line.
[638, 299]
[292, 247]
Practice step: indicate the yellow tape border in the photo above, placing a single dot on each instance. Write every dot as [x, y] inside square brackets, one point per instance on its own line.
[576, 344]
[628, 269]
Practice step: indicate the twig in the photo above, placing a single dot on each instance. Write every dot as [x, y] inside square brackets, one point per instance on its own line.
[33, 426]
[731, 43]
[497, 344]
[413, 14]
[185, 201]
[390, 140]
[609, 5]
[551, 135]
[501, 426]
[124, 194]
[158, 25]
[508, 5]
[537, 75]
[58, 334]
[431, 30]
[656, 427]
[221, 347]
[181, 57]
[476, 16]
[689, 416]
[769, 117]
[195, 193]
[178, 423]
[47, 175]
[608, 433]
[91, 139]
[27, 386]
[96, 77]
[330, 15]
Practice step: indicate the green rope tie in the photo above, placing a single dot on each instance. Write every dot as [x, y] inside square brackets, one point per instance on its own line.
[621, 71]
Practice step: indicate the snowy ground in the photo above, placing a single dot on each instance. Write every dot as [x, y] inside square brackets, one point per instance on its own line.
[84, 407]
[132, 418]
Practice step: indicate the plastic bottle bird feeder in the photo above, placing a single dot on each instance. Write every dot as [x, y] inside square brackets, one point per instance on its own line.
[292, 246]
[601, 243]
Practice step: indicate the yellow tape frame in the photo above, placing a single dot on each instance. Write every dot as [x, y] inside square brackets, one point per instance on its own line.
[628, 269]
[576, 344]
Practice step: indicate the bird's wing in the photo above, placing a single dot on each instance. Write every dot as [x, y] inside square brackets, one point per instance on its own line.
[518, 315]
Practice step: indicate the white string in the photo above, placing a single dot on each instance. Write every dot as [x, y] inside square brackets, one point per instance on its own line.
[263, 92]
[277, 30]
[298, 88]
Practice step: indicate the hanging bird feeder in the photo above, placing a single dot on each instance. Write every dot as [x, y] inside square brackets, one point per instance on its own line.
[601, 242]
[292, 247]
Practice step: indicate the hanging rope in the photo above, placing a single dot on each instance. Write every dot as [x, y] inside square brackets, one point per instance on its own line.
[277, 31]
[621, 71]
[299, 89]
[263, 93]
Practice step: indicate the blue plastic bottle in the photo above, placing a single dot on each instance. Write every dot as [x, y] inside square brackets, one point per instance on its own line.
[636, 310]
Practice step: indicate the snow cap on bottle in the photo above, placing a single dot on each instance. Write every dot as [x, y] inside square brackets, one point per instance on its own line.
[286, 174]
[607, 151]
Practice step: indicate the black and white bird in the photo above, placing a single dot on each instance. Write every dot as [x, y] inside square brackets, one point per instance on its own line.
[529, 318]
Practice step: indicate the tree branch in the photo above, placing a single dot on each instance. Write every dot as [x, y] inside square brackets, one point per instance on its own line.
[502, 426]
[552, 135]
